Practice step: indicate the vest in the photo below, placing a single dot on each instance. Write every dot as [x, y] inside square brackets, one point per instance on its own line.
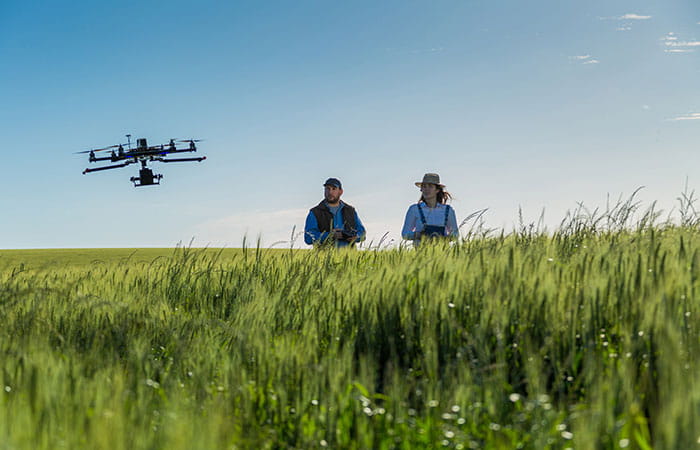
[324, 217]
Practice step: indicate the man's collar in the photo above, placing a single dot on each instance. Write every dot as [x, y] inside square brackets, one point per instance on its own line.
[325, 203]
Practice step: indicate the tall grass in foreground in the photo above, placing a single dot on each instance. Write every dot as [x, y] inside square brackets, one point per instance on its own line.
[583, 339]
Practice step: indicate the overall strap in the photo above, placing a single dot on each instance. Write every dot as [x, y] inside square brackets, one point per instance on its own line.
[447, 212]
[420, 211]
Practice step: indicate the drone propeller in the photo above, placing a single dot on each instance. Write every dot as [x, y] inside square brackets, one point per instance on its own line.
[100, 149]
[108, 148]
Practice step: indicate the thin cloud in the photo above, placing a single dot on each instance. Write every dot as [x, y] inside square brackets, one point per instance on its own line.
[689, 116]
[584, 59]
[628, 16]
[683, 43]
[633, 17]
[416, 51]
[428, 50]
[674, 45]
[274, 227]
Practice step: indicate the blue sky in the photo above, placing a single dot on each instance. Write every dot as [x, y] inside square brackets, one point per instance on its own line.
[537, 105]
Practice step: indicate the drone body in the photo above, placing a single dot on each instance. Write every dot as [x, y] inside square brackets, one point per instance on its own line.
[143, 154]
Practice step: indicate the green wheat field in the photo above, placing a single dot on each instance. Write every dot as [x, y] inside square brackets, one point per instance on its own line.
[585, 337]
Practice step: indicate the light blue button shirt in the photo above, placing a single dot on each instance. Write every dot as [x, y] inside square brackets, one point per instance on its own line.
[413, 225]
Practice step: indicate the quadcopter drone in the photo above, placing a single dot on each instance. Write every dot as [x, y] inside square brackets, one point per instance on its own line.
[144, 154]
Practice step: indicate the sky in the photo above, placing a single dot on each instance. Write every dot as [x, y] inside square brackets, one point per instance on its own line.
[533, 106]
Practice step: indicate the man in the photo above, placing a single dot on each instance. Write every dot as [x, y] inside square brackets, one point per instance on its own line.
[333, 222]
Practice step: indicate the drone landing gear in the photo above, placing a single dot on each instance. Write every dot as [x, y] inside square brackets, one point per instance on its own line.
[146, 178]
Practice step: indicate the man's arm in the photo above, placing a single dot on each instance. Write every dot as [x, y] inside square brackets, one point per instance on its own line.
[312, 234]
[361, 232]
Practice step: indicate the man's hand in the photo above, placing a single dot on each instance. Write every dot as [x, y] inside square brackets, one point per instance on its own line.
[340, 235]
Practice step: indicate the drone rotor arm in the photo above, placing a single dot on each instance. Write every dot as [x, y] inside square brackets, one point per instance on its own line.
[106, 158]
[97, 169]
[181, 159]
[177, 150]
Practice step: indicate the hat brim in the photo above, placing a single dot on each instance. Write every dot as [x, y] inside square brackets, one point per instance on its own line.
[420, 183]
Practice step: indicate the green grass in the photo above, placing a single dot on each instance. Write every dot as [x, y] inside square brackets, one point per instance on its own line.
[49, 259]
[583, 338]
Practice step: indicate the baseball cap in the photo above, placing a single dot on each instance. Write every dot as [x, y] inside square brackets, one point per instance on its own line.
[333, 182]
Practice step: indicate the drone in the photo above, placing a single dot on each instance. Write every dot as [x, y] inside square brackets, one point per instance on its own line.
[144, 154]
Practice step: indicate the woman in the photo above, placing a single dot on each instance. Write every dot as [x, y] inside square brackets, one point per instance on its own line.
[431, 217]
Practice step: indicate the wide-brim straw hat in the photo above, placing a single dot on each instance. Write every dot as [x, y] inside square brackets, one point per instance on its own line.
[430, 178]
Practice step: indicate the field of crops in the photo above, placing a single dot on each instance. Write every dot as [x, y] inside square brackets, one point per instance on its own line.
[573, 339]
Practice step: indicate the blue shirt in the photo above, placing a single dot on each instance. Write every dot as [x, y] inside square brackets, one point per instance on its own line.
[312, 234]
[413, 224]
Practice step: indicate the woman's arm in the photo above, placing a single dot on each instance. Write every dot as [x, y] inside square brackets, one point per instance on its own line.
[409, 231]
[452, 227]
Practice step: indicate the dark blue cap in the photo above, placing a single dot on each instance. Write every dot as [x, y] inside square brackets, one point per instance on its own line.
[333, 182]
